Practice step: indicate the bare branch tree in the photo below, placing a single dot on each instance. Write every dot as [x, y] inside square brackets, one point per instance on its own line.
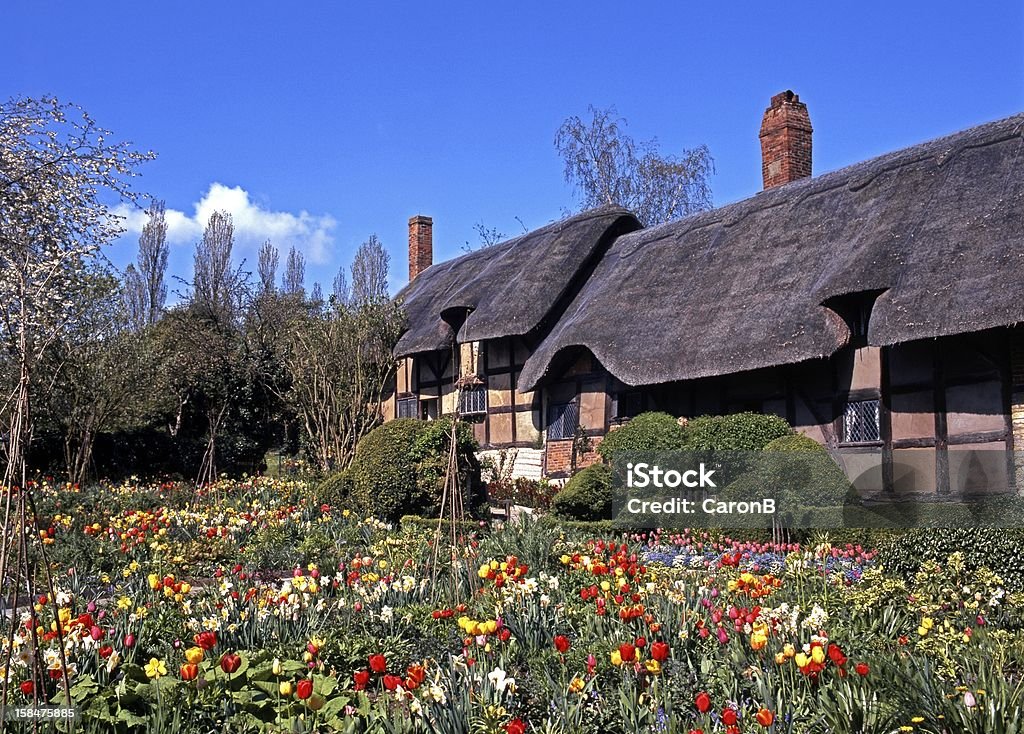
[294, 277]
[267, 267]
[152, 260]
[606, 166]
[215, 286]
[370, 272]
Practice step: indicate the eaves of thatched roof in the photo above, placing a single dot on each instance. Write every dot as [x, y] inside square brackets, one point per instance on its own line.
[937, 229]
[510, 288]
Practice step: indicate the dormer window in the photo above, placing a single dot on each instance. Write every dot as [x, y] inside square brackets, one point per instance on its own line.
[855, 310]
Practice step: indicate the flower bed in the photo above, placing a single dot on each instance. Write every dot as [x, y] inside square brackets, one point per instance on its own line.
[250, 607]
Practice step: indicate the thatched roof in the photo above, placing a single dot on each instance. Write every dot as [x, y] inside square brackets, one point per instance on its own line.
[508, 288]
[939, 228]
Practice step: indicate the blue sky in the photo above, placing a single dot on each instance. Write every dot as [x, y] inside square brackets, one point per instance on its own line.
[322, 125]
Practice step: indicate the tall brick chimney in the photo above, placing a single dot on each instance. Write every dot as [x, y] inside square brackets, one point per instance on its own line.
[421, 245]
[785, 140]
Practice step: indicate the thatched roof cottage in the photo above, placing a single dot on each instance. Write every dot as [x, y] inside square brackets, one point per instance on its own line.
[875, 307]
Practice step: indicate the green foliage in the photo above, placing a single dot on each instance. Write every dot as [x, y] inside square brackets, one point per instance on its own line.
[646, 432]
[587, 496]
[1002, 550]
[799, 473]
[736, 432]
[431, 457]
[383, 472]
[335, 490]
[794, 442]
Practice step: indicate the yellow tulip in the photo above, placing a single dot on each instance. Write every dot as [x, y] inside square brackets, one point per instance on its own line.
[818, 654]
[195, 655]
[285, 688]
[801, 660]
[616, 658]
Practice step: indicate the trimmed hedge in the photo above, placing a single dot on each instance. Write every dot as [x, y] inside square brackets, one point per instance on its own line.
[736, 432]
[430, 453]
[335, 490]
[587, 496]
[383, 471]
[646, 432]
[800, 474]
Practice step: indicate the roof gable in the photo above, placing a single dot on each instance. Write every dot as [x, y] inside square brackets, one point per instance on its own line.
[507, 289]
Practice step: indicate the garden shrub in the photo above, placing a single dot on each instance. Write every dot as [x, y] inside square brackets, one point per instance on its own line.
[587, 496]
[383, 471]
[430, 453]
[736, 432]
[901, 552]
[335, 490]
[646, 432]
[800, 474]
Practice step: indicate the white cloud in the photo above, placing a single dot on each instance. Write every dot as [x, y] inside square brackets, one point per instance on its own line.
[311, 234]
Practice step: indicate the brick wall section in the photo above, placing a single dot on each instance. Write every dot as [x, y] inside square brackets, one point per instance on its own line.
[558, 456]
[421, 245]
[1017, 402]
[785, 141]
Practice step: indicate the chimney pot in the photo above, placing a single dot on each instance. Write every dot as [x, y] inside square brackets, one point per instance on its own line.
[421, 245]
[785, 140]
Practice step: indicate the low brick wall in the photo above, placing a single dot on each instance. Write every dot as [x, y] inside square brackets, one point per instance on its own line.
[558, 456]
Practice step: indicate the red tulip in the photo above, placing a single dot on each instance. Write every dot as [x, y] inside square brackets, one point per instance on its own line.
[206, 640]
[361, 677]
[628, 652]
[378, 664]
[729, 717]
[129, 640]
[189, 671]
[96, 633]
[516, 726]
[862, 669]
[230, 662]
[391, 682]
[765, 717]
[562, 643]
[659, 651]
[106, 651]
[703, 702]
[304, 689]
[27, 687]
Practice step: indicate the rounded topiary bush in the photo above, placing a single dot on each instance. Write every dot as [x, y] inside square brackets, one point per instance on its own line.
[794, 442]
[587, 496]
[736, 432]
[335, 490]
[431, 456]
[383, 471]
[646, 432]
[801, 475]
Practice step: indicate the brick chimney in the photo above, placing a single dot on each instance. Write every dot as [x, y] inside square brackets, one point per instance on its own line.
[785, 141]
[421, 245]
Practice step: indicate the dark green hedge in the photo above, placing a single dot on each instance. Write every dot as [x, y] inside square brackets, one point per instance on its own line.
[383, 472]
[587, 496]
[646, 432]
